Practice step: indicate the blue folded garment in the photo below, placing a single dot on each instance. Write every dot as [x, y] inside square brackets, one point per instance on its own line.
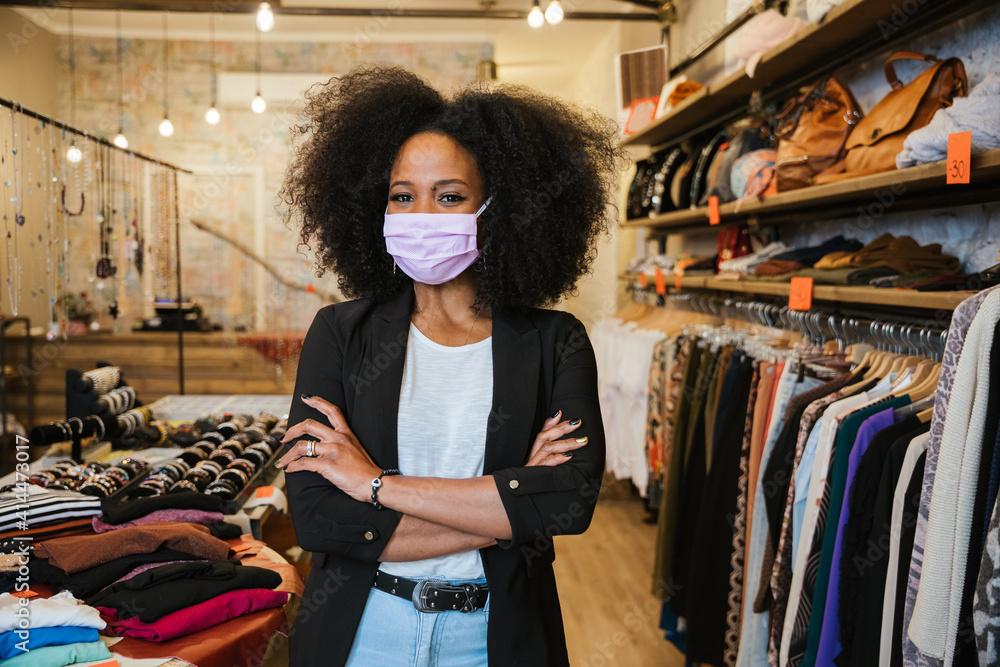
[38, 637]
[59, 656]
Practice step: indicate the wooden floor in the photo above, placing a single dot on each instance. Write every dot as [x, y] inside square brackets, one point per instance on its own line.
[603, 576]
[610, 616]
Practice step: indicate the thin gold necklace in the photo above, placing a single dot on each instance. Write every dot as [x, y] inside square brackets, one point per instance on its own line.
[467, 336]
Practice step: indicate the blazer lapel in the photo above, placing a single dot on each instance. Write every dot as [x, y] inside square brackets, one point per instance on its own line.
[516, 366]
[386, 350]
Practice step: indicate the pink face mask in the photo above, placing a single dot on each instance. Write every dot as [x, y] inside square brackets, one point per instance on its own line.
[432, 248]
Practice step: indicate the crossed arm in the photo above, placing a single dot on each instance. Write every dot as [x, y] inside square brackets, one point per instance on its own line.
[439, 516]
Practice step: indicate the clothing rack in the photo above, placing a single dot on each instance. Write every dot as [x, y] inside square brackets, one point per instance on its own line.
[890, 334]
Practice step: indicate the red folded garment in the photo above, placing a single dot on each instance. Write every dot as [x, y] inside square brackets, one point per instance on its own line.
[196, 617]
[75, 554]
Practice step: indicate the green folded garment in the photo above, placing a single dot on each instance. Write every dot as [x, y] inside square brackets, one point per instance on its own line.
[58, 656]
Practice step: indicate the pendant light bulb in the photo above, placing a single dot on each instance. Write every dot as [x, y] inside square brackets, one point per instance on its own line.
[536, 19]
[212, 116]
[265, 17]
[554, 12]
[166, 127]
[258, 104]
[120, 140]
[74, 154]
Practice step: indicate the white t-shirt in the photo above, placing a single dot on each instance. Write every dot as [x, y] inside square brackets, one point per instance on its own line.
[444, 408]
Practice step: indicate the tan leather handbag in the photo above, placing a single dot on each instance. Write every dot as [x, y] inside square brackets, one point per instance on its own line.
[812, 130]
[876, 140]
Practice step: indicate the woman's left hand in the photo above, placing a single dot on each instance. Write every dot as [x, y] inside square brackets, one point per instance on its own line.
[338, 455]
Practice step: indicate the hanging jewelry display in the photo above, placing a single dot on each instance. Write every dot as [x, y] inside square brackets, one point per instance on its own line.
[104, 268]
[13, 261]
[51, 217]
[138, 243]
[7, 195]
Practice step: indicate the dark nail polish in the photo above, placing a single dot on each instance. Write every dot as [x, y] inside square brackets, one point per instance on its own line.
[555, 414]
[575, 422]
[568, 455]
[306, 397]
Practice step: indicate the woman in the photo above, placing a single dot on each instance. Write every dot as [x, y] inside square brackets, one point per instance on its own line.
[445, 427]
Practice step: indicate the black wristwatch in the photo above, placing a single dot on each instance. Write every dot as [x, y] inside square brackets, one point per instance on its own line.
[376, 483]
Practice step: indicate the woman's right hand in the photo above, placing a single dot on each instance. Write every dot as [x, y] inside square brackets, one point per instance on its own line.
[549, 449]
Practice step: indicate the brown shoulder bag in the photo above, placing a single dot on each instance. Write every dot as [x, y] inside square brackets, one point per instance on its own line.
[812, 130]
[877, 140]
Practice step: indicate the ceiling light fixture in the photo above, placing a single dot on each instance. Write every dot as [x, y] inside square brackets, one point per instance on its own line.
[536, 19]
[120, 140]
[73, 154]
[554, 12]
[212, 115]
[265, 17]
[258, 104]
[166, 127]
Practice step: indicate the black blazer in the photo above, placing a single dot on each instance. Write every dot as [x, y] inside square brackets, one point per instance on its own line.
[353, 356]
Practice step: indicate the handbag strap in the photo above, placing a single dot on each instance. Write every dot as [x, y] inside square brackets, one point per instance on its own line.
[787, 120]
[890, 71]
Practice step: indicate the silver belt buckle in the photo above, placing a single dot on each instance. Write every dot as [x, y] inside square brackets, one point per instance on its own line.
[423, 599]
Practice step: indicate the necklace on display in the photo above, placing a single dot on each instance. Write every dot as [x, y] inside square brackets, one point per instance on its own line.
[467, 336]
[6, 214]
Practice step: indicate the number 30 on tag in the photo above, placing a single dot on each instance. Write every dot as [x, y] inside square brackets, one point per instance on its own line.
[959, 156]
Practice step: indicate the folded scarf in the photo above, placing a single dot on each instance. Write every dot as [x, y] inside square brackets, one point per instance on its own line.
[75, 554]
[58, 610]
[179, 516]
[197, 617]
[37, 637]
[976, 113]
[58, 656]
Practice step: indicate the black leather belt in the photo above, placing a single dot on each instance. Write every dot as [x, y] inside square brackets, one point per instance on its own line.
[430, 595]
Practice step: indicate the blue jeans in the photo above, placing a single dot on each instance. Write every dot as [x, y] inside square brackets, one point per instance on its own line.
[393, 633]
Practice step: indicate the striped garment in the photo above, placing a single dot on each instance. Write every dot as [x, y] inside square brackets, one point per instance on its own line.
[44, 506]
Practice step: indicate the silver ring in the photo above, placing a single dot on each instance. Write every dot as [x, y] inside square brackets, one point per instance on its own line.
[311, 448]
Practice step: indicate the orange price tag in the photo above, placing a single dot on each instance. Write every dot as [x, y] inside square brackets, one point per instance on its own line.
[25, 594]
[661, 282]
[959, 157]
[800, 297]
[713, 210]
[264, 492]
[642, 280]
[677, 281]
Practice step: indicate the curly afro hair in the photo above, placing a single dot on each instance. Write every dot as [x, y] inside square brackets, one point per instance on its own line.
[551, 168]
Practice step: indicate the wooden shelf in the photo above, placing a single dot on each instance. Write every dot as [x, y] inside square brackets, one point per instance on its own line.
[866, 198]
[851, 27]
[840, 293]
